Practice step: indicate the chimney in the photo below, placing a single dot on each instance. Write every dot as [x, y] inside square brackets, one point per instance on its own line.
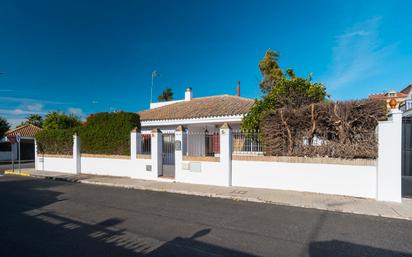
[238, 89]
[188, 94]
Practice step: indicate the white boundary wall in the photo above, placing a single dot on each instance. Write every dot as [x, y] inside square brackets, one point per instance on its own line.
[48, 163]
[116, 167]
[359, 181]
[201, 172]
[381, 181]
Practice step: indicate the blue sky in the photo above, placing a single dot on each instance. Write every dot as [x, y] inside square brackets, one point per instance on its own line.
[98, 55]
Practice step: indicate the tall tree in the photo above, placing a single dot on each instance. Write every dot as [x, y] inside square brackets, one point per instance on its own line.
[166, 95]
[4, 126]
[60, 120]
[287, 90]
[33, 119]
[270, 70]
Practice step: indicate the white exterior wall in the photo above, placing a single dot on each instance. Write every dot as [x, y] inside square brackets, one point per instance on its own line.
[116, 167]
[358, 181]
[6, 155]
[210, 173]
[67, 165]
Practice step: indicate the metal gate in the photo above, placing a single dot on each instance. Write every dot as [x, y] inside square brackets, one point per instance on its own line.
[407, 146]
[168, 154]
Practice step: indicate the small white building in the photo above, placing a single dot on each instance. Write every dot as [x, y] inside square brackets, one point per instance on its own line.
[27, 134]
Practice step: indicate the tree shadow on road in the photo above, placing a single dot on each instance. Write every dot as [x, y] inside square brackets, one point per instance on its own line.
[27, 229]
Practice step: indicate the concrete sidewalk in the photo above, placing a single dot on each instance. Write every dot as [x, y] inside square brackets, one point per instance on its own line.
[282, 197]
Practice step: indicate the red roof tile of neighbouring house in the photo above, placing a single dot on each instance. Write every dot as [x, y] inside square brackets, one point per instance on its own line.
[392, 94]
[388, 95]
[203, 107]
[407, 89]
[25, 131]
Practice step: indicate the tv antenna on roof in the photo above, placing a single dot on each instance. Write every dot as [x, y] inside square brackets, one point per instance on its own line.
[155, 74]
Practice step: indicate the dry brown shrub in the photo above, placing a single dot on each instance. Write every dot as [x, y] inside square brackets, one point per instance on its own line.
[329, 129]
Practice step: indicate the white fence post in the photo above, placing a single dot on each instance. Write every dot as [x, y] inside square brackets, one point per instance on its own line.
[389, 174]
[135, 144]
[226, 152]
[76, 154]
[157, 152]
[36, 160]
[179, 143]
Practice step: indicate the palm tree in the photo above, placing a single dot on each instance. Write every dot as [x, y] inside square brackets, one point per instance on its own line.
[33, 119]
[167, 95]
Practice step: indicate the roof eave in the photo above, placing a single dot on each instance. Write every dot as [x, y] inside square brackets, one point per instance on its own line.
[201, 120]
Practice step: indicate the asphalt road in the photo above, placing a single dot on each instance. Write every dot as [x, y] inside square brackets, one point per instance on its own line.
[50, 218]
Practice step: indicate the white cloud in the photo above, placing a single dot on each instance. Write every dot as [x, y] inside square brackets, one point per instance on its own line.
[18, 111]
[28, 100]
[35, 107]
[15, 121]
[77, 111]
[358, 54]
[360, 33]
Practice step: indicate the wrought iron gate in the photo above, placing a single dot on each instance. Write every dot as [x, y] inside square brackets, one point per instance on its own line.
[407, 146]
[168, 154]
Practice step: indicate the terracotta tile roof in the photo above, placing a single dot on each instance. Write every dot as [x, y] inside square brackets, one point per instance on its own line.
[25, 131]
[385, 96]
[407, 89]
[212, 106]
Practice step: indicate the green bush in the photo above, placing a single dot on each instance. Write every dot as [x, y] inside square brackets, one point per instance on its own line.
[56, 141]
[108, 133]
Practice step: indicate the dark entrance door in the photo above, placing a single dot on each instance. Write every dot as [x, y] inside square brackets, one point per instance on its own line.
[407, 146]
[168, 155]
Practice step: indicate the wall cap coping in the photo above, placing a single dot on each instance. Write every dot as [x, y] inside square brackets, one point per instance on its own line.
[143, 156]
[179, 128]
[107, 156]
[65, 156]
[318, 160]
[225, 126]
[201, 158]
[156, 130]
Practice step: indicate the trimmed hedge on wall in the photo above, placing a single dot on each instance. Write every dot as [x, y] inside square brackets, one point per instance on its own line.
[328, 129]
[108, 133]
[56, 141]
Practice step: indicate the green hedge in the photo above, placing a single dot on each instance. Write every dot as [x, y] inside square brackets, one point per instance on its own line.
[56, 141]
[108, 133]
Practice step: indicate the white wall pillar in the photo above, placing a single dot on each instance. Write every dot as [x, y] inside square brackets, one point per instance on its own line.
[156, 152]
[389, 174]
[226, 152]
[36, 159]
[135, 144]
[139, 139]
[76, 154]
[179, 143]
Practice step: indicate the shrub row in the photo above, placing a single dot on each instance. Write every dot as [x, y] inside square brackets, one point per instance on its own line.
[56, 141]
[102, 133]
[328, 129]
[108, 133]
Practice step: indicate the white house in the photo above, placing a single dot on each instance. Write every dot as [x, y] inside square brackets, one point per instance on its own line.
[201, 119]
[196, 114]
